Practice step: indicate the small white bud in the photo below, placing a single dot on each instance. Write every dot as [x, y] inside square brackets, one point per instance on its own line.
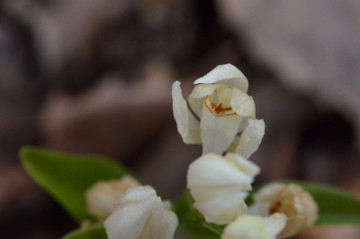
[101, 197]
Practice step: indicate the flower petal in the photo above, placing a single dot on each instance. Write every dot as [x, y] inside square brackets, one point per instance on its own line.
[244, 165]
[254, 227]
[187, 125]
[140, 215]
[251, 138]
[217, 133]
[274, 224]
[226, 74]
[214, 170]
[242, 103]
[222, 210]
[246, 227]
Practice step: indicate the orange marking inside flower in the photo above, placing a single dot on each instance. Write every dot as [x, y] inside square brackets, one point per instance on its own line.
[219, 108]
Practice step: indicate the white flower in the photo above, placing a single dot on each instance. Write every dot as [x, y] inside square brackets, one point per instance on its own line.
[219, 185]
[140, 214]
[255, 227]
[224, 108]
[101, 197]
[291, 200]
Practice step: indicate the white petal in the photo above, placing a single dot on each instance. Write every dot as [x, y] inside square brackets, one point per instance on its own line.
[214, 170]
[140, 215]
[187, 125]
[244, 165]
[274, 224]
[242, 104]
[196, 98]
[254, 227]
[204, 193]
[219, 186]
[251, 138]
[225, 74]
[246, 227]
[222, 210]
[217, 133]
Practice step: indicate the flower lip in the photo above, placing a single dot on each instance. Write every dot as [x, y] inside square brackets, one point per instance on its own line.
[218, 110]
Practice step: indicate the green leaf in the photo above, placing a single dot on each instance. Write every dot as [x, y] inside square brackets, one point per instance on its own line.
[95, 232]
[336, 206]
[67, 177]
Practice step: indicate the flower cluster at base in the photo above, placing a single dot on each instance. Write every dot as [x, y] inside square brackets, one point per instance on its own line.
[131, 211]
[220, 115]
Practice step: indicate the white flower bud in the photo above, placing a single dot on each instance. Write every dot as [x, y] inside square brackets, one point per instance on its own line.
[101, 197]
[140, 214]
[255, 227]
[219, 185]
[221, 103]
[291, 200]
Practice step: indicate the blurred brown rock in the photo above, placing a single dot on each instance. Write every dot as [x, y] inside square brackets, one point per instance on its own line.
[312, 46]
[113, 118]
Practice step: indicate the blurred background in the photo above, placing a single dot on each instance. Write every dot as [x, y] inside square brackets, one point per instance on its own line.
[94, 76]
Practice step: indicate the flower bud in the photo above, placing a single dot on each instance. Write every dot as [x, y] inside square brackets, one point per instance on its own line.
[291, 200]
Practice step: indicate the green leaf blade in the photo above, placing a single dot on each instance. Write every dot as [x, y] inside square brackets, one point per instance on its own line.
[95, 232]
[67, 177]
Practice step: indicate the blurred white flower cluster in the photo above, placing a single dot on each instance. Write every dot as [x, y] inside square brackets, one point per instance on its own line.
[220, 115]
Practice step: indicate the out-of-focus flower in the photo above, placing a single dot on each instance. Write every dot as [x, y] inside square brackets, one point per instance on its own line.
[101, 197]
[219, 100]
[291, 200]
[255, 227]
[140, 214]
[219, 185]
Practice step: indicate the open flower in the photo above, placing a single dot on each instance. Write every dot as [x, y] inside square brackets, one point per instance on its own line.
[219, 185]
[255, 227]
[291, 200]
[140, 214]
[101, 197]
[219, 100]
